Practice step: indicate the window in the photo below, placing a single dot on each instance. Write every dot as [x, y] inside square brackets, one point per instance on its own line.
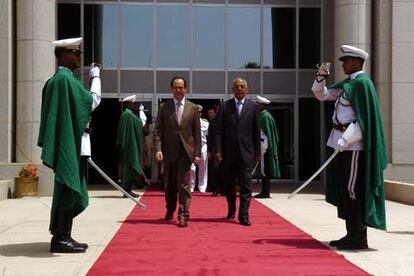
[100, 41]
[208, 37]
[68, 20]
[309, 37]
[173, 23]
[137, 36]
[244, 37]
[279, 38]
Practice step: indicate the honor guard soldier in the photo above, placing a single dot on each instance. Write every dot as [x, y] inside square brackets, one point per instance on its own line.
[63, 137]
[203, 165]
[355, 183]
[269, 160]
[129, 144]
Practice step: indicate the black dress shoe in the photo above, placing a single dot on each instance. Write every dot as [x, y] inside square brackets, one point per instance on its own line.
[131, 193]
[349, 245]
[80, 244]
[338, 242]
[245, 222]
[230, 215]
[168, 216]
[182, 223]
[65, 245]
[262, 195]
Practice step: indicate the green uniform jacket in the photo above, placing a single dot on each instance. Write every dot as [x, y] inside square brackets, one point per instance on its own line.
[362, 96]
[268, 125]
[66, 108]
[129, 144]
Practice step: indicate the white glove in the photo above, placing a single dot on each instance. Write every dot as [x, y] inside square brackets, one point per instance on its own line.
[342, 144]
[94, 72]
[323, 69]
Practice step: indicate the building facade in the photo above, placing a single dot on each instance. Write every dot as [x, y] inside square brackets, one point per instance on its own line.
[273, 44]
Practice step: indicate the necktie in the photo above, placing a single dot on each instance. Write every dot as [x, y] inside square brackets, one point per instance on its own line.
[239, 107]
[179, 111]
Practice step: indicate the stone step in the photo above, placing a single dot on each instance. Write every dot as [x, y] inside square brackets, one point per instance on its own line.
[399, 192]
[5, 186]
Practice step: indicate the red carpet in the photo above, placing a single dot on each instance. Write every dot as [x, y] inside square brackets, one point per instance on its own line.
[211, 245]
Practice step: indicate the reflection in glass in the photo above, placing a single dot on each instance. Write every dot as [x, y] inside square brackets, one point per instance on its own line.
[244, 37]
[209, 37]
[309, 37]
[101, 35]
[173, 24]
[136, 36]
[279, 38]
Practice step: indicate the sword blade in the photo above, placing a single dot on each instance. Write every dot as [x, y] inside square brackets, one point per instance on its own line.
[314, 175]
[255, 167]
[116, 186]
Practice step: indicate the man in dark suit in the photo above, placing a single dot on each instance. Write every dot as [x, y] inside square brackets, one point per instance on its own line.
[177, 143]
[238, 145]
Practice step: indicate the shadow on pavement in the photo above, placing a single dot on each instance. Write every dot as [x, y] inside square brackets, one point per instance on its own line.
[31, 250]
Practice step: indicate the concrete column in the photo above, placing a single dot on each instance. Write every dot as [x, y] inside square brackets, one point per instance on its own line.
[402, 83]
[381, 69]
[6, 82]
[35, 30]
[352, 27]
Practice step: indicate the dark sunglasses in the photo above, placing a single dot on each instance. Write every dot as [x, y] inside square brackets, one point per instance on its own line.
[75, 52]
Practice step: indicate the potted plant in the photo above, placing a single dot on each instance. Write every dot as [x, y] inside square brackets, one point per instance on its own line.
[26, 184]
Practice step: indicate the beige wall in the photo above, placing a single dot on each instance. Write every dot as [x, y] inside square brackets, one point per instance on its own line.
[401, 97]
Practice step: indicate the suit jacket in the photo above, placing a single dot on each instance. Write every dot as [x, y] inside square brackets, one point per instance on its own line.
[238, 132]
[212, 130]
[168, 134]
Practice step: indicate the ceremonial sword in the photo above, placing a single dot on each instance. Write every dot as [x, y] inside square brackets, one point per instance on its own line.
[116, 186]
[315, 174]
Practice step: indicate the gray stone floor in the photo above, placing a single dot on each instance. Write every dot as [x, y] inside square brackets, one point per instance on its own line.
[24, 237]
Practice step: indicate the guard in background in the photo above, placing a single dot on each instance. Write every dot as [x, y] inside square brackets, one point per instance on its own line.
[356, 185]
[65, 112]
[269, 161]
[129, 144]
[203, 165]
[215, 181]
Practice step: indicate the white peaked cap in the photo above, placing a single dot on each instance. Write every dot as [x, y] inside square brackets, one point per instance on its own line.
[351, 51]
[129, 98]
[70, 43]
[262, 100]
[200, 108]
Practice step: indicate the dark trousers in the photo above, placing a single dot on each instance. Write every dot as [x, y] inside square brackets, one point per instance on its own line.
[265, 179]
[177, 183]
[215, 181]
[351, 173]
[236, 171]
[63, 219]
